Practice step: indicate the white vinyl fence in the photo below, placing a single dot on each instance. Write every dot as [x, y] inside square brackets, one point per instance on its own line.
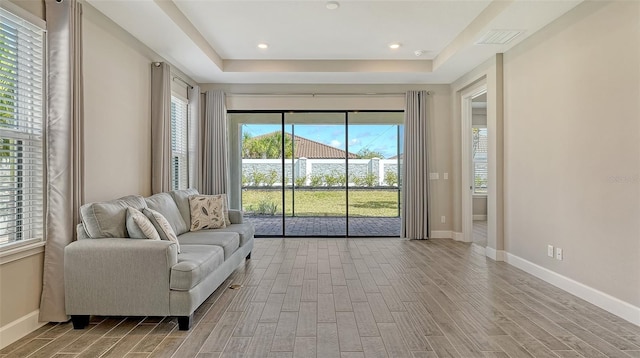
[320, 172]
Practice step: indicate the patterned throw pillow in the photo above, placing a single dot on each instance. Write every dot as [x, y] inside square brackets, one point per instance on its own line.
[207, 212]
[139, 226]
[162, 226]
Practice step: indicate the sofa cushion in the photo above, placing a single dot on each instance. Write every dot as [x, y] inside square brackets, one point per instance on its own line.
[108, 219]
[181, 198]
[245, 231]
[228, 241]
[195, 263]
[139, 226]
[165, 205]
[162, 226]
[207, 212]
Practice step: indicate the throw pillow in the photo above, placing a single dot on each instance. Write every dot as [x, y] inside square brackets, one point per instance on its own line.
[207, 212]
[139, 226]
[162, 226]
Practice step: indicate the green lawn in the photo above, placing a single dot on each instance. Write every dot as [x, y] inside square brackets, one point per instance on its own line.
[381, 203]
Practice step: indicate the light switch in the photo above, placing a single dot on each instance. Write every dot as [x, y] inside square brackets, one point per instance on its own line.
[434, 176]
[446, 176]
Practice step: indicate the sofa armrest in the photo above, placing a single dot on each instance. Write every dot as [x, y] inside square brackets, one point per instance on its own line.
[236, 216]
[124, 277]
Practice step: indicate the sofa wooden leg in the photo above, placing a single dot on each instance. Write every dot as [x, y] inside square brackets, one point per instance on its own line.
[184, 322]
[249, 256]
[79, 322]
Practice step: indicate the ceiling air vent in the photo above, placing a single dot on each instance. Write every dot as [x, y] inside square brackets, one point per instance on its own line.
[498, 37]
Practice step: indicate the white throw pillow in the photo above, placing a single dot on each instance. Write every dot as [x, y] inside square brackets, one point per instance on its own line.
[162, 226]
[139, 226]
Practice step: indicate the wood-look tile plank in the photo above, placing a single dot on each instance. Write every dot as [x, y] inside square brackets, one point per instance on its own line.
[307, 319]
[326, 308]
[292, 298]
[355, 291]
[249, 320]
[342, 299]
[391, 299]
[379, 308]
[413, 336]
[285, 334]
[305, 347]
[393, 342]
[309, 290]
[365, 320]
[374, 347]
[219, 336]
[261, 341]
[348, 335]
[327, 340]
[272, 308]
[324, 283]
[281, 283]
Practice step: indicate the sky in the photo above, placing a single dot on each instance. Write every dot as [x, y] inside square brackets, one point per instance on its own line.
[381, 138]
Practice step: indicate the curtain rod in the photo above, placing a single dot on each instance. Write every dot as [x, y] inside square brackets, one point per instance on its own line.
[316, 94]
[176, 77]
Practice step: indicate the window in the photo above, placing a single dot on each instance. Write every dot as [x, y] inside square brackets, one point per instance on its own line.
[480, 166]
[21, 130]
[179, 148]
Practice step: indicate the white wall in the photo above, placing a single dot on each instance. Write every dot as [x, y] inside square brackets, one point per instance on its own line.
[572, 147]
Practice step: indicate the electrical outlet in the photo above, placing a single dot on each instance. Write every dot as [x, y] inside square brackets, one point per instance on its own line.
[559, 253]
[446, 176]
[443, 219]
[550, 250]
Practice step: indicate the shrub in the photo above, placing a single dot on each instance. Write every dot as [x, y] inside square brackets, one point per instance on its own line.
[245, 180]
[258, 178]
[271, 178]
[370, 180]
[316, 180]
[391, 178]
[301, 181]
[266, 207]
[331, 180]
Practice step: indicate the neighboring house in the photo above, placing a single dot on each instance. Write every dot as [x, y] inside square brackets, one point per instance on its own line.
[310, 149]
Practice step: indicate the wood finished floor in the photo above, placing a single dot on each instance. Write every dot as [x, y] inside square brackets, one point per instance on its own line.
[360, 298]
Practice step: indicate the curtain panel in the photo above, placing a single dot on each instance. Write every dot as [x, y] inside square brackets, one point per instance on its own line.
[64, 146]
[415, 168]
[195, 144]
[160, 127]
[215, 167]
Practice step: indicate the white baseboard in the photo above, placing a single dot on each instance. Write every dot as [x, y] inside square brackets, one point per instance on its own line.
[19, 328]
[603, 300]
[495, 255]
[458, 236]
[441, 234]
[479, 218]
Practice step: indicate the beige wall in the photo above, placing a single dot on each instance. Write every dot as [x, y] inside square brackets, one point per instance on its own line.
[439, 111]
[572, 147]
[117, 77]
[20, 287]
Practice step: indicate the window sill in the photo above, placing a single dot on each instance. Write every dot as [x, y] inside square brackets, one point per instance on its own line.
[20, 252]
[479, 195]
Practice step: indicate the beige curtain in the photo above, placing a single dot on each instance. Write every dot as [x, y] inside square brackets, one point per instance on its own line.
[415, 169]
[160, 127]
[195, 144]
[64, 143]
[215, 172]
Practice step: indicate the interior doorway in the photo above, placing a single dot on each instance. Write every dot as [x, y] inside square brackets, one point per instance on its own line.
[475, 165]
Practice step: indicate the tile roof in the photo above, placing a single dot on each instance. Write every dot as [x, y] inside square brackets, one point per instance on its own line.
[307, 148]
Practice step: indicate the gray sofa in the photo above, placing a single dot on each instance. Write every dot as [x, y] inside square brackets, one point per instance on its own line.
[109, 274]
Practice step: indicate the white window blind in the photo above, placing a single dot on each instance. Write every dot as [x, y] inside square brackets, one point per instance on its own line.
[179, 145]
[480, 165]
[21, 129]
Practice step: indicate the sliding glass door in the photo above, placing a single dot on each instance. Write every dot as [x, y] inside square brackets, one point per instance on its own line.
[324, 174]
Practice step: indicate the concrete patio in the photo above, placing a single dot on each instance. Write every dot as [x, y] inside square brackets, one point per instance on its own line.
[325, 226]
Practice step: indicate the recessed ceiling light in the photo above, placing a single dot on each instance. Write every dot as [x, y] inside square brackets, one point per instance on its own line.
[332, 5]
[263, 46]
[395, 46]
